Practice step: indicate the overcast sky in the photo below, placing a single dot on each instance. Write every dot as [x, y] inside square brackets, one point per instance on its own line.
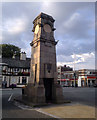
[74, 23]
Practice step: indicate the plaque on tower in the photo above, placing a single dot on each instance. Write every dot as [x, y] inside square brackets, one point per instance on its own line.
[42, 86]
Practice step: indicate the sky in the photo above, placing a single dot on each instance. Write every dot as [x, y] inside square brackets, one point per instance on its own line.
[74, 23]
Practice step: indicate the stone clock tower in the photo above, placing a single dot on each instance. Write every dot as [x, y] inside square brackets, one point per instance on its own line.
[42, 86]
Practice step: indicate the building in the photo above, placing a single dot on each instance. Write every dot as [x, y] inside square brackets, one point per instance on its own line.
[15, 70]
[66, 76]
[80, 78]
[87, 77]
[64, 68]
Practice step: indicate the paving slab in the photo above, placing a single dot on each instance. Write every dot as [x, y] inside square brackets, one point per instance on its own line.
[70, 111]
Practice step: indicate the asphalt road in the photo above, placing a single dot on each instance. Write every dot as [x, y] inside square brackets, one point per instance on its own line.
[75, 95]
[86, 96]
[9, 110]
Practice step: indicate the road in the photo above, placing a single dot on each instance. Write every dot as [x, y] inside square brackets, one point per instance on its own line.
[9, 110]
[80, 95]
[75, 95]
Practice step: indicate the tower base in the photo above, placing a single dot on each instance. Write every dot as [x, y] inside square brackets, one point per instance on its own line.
[58, 94]
[36, 94]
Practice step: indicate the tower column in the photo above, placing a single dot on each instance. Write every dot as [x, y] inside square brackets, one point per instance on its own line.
[43, 85]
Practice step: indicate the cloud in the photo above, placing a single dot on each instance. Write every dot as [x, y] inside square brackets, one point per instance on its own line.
[1, 39]
[80, 61]
[83, 57]
[17, 22]
[14, 26]
[77, 27]
[74, 23]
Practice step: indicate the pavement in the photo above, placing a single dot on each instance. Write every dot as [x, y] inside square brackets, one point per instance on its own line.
[70, 111]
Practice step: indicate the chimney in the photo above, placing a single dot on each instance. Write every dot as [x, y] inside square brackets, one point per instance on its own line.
[14, 56]
[23, 56]
[64, 65]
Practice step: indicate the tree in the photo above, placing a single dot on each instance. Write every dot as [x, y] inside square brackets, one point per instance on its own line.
[8, 50]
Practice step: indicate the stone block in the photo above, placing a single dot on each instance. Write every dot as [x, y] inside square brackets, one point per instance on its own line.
[58, 94]
[35, 94]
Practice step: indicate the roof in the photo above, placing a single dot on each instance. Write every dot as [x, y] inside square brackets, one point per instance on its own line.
[16, 62]
[44, 16]
[87, 69]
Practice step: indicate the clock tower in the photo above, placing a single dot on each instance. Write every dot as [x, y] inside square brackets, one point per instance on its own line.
[42, 86]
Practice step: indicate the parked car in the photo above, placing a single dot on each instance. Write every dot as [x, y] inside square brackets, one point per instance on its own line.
[95, 85]
[65, 85]
[12, 86]
[21, 86]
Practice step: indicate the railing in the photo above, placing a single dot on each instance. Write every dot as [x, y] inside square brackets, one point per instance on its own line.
[4, 72]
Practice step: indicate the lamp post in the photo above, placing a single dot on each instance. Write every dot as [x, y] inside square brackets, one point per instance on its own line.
[74, 71]
[74, 79]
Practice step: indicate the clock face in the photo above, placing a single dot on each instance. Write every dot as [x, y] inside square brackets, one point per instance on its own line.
[47, 28]
[36, 29]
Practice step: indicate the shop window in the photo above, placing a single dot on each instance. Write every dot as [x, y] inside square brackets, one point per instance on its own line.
[19, 80]
[4, 78]
[24, 80]
[66, 76]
